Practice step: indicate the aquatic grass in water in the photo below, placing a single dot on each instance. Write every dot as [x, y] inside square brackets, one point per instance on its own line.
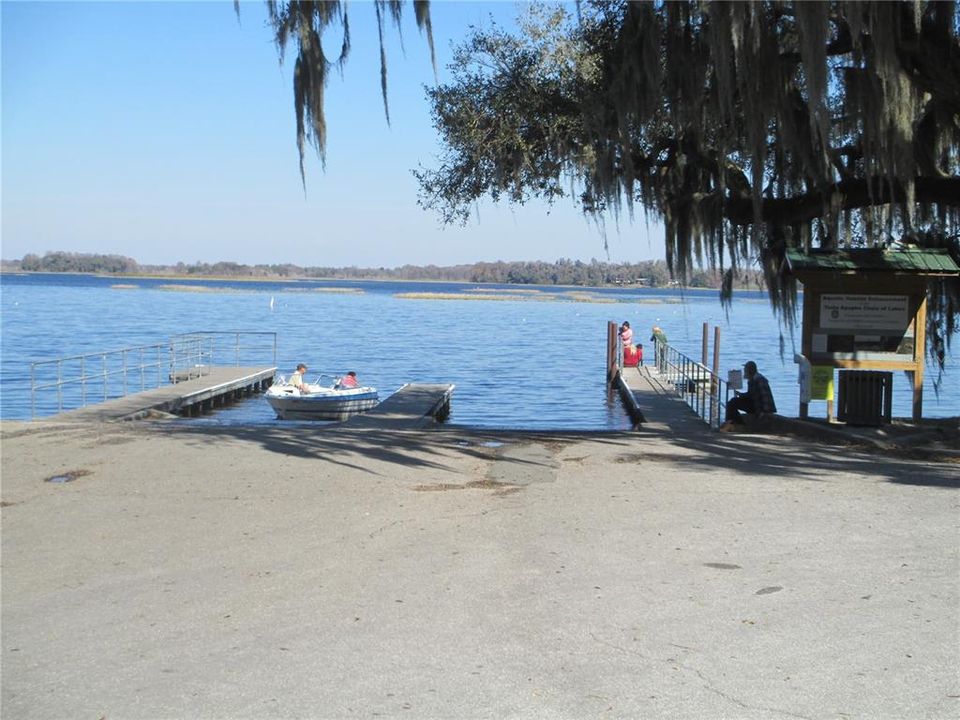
[335, 290]
[204, 289]
[538, 297]
[511, 291]
[584, 297]
[464, 296]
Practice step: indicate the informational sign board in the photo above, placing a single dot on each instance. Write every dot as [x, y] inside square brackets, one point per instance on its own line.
[864, 312]
[821, 384]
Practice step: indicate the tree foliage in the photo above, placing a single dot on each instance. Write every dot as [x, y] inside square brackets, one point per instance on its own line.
[746, 127]
[303, 23]
[648, 273]
[78, 263]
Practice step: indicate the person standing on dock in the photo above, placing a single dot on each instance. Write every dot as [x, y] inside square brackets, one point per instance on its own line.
[659, 340]
[758, 400]
[626, 343]
[297, 379]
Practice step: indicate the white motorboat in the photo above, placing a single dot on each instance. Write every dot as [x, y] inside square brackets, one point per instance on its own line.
[320, 402]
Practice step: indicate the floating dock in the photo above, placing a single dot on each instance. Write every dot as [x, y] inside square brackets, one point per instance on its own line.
[216, 387]
[412, 406]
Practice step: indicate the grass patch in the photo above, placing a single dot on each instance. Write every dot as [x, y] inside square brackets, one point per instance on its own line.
[587, 297]
[332, 290]
[511, 291]
[464, 296]
[201, 289]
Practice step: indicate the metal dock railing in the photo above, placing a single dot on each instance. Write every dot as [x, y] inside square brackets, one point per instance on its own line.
[693, 382]
[72, 382]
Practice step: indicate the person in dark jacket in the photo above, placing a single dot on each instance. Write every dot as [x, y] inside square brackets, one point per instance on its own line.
[757, 400]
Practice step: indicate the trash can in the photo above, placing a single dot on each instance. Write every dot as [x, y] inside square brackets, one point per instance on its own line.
[864, 397]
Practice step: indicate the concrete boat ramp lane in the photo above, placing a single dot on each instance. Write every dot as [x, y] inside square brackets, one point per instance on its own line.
[160, 569]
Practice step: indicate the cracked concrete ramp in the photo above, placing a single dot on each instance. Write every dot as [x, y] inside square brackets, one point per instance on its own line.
[524, 465]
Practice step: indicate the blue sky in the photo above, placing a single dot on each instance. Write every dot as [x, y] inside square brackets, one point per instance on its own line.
[165, 132]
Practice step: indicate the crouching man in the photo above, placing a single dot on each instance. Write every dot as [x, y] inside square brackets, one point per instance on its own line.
[757, 400]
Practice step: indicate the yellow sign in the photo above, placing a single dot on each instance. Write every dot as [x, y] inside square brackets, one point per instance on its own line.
[821, 387]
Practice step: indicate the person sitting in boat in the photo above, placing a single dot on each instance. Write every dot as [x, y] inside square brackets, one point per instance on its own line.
[297, 379]
[348, 381]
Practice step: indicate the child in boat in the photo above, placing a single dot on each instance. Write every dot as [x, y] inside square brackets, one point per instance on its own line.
[348, 381]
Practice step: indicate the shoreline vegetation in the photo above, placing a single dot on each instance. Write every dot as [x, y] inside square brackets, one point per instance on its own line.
[561, 273]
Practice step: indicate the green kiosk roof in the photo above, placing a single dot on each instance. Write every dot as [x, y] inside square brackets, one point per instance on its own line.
[917, 261]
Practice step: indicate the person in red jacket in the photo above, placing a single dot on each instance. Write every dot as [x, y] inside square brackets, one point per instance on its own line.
[348, 381]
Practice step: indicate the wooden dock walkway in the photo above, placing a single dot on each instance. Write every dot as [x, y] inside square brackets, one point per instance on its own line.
[412, 406]
[653, 402]
[218, 386]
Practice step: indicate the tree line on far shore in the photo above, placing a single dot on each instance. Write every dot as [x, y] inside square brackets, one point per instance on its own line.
[649, 273]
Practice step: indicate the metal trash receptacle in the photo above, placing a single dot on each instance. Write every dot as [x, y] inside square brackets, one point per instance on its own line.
[864, 397]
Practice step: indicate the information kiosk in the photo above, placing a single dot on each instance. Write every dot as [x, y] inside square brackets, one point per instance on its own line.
[864, 313]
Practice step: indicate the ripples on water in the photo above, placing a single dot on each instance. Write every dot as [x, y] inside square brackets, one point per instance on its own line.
[517, 363]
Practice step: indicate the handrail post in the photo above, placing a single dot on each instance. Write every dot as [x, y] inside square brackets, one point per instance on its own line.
[613, 366]
[716, 371]
[706, 331]
[103, 362]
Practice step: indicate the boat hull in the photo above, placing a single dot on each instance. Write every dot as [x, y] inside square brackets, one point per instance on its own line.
[322, 404]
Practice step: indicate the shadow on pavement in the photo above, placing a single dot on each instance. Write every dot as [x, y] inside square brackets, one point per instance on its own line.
[750, 455]
[355, 448]
[799, 459]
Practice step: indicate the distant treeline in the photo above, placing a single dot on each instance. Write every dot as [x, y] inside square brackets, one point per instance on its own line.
[650, 273]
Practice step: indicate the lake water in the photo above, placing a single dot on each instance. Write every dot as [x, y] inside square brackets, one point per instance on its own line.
[530, 363]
